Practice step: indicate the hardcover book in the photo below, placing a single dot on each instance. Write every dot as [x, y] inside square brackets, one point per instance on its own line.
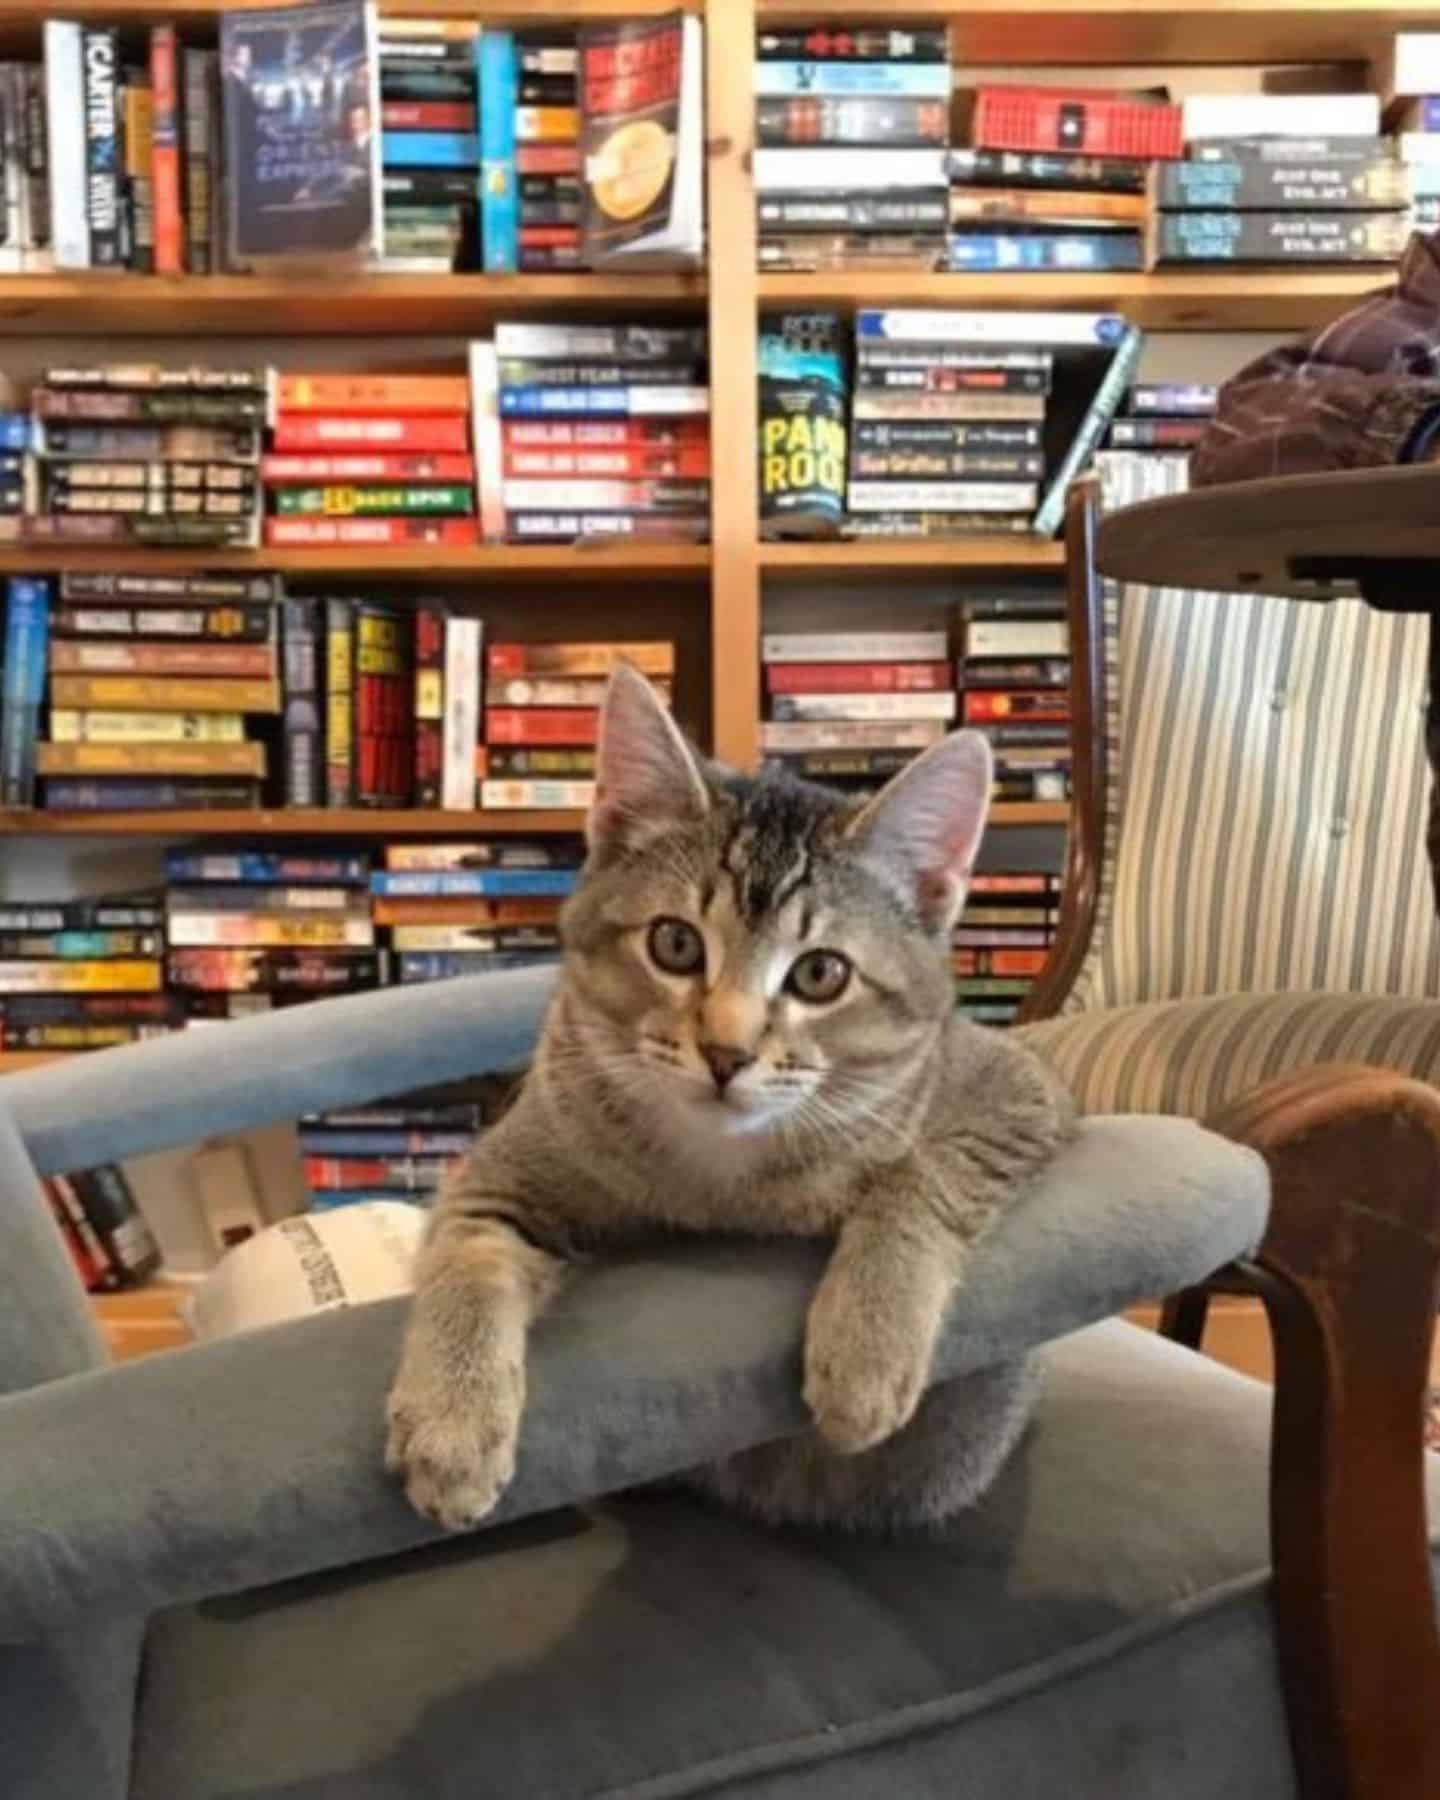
[302, 106]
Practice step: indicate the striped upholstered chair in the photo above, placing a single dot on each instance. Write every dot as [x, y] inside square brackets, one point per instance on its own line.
[1248, 887]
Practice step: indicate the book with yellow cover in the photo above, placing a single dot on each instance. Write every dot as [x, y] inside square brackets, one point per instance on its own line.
[102, 727]
[60, 976]
[150, 759]
[170, 693]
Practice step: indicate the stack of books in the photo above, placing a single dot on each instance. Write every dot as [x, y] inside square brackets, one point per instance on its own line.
[430, 145]
[109, 1242]
[254, 950]
[1003, 941]
[853, 127]
[471, 909]
[400, 1150]
[541, 717]
[16, 436]
[1281, 178]
[417, 426]
[1051, 178]
[604, 431]
[157, 688]
[547, 151]
[82, 974]
[1414, 117]
[1014, 670]
[266, 902]
[1160, 417]
[136, 453]
[947, 425]
[851, 708]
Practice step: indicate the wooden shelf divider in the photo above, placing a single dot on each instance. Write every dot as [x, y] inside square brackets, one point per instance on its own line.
[598, 560]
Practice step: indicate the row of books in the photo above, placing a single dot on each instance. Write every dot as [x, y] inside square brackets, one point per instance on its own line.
[321, 131]
[159, 693]
[556, 433]
[933, 423]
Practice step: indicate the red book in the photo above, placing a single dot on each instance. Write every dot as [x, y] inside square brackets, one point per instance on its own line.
[997, 704]
[165, 154]
[427, 115]
[549, 237]
[303, 533]
[370, 394]
[591, 434]
[547, 159]
[429, 703]
[394, 431]
[656, 462]
[1080, 121]
[857, 678]
[541, 724]
[438, 466]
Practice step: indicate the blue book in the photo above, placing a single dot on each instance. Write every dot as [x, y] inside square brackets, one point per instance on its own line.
[987, 326]
[15, 432]
[1058, 251]
[430, 149]
[449, 965]
[509, 884]
[327, 1199]
[384, 1143]
[867, 80]
[499, 80]
[1114, 386]
[268, 868]
[27, 631]
[594, 402]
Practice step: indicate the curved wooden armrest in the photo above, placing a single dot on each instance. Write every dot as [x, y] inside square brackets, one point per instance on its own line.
[1348, 1273]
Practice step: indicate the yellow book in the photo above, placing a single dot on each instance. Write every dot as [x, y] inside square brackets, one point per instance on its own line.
[266, 931]
[60, 976]
[68, 727]
[150, 759]
[164, 693]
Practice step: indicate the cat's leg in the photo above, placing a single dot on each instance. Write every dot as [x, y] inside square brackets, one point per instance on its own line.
[873, 1324]
[454, 1411]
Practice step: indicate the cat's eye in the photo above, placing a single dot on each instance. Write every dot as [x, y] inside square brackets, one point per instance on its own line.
[676, 947]
[819, 976]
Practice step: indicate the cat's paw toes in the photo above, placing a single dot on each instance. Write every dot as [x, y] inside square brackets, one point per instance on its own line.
[455, 1467]
[855, 1411]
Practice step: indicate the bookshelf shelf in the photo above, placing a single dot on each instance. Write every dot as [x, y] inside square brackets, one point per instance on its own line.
[298, 823]
[499, 562]
[908, 558]
[1205, 300]
[15, 1062]
[207, 306]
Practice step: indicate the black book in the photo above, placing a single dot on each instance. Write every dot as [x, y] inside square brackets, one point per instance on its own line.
[103, 161]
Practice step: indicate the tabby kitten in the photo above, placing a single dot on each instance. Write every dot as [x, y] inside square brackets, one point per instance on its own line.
[754, 1032]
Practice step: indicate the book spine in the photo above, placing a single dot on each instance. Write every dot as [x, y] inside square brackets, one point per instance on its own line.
[165, 159]
[262, 931]
[339, 703]
[923, 211]
[919, 377]
[150, 758]
[858, 119]
[105, 1197]
[540, 725]
[234, 624]
[635, 400]
[102, 148]
[509, 763]
[984, 708]
[278, 470]
[1019, 118]
[871, 80]
[79, 657]
[1009, 168]
[375, 501]
[559, 796]
[297, 530]
[1045, 250]
[198, 173]
[147, 693]
[145, 727]
[384, 701]
[139, 137]
[66, 134]
[304, 741]
[1106, 403]
[461, 724]
[545, 690]
[150, 796]
[1262, 184]
[85, 945]
[499, 193]
[908, 734]
[112, 975]
[430, 622]
[854, 646]
[339, 432]
[1156, 434]
[1344, 237]
[857, 677]
[37, 171]
[430, 149]
[22, 690]
[489, 445]
[829, 706]
[928, 43]
[14, 194]
[367, 394]
[1015, 638]
[941, 496]
[506, 659]
[606, 433]
[524, 495]
[1190, 397]
[940, 465]
[269, 971]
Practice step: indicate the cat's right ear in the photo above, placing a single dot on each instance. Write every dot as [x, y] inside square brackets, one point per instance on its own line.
[646, 775]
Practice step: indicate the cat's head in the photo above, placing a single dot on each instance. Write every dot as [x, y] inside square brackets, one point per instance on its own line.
[746, 954]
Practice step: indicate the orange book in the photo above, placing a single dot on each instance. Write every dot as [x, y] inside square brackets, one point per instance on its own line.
[150, 759]
[465, 911]
[578, 659]
[373, 393]
[165, 154]
[1043, 205]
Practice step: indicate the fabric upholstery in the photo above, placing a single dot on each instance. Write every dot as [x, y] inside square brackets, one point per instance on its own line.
[1097, 1627]
[1193, 1056]
[1270, 788]
[259, 1457]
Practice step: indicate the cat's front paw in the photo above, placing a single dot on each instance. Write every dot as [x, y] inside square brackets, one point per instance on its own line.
[455, 1460]
[858, 1404]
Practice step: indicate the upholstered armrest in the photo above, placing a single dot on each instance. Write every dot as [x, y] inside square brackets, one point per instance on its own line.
[259, 1457]
[197, 1084]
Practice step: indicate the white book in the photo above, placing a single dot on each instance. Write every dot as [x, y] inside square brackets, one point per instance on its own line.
[854, 646]
[779, 171]
[546, 796]
[862, 706]
[1281, 115]
[922, 325]
[486, 435]
[14, 184]
[1017, 637]
[1417, 63]
[780, 735]
[942, 496]
[1422, 150]
[462, 713]
[65, 127]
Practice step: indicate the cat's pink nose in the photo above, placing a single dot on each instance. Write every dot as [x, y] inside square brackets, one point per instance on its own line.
[725, 1061]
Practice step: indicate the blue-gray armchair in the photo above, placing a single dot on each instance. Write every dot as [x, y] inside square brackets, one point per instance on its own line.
[209, 1587]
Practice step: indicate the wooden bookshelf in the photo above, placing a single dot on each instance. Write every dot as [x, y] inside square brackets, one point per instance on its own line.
[906, 558]
[567, 564]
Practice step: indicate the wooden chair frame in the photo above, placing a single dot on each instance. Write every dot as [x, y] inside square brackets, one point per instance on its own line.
[1349, 1274]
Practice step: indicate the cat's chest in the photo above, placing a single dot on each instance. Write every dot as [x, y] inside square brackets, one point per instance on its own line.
[725, 1191]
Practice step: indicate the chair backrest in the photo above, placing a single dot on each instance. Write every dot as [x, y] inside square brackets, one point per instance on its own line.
[1264, 788]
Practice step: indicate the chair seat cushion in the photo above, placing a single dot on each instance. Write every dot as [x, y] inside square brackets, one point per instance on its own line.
[1193, 1056]
[1097, 1626]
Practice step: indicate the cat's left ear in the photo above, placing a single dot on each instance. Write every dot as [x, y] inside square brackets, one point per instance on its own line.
[646, 776]
[925, 826]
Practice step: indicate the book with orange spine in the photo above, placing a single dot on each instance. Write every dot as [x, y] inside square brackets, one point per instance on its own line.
[373, 394]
